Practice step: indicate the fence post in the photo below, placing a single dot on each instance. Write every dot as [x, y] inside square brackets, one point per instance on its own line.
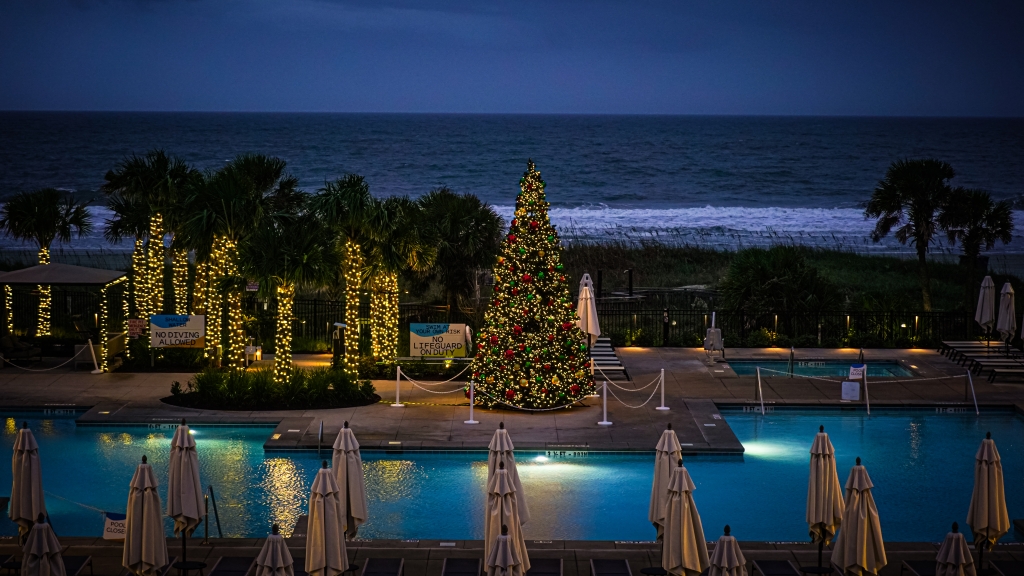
[604, 402]
[472, 400]
[398, 382]
[662, 407]
[664, 329]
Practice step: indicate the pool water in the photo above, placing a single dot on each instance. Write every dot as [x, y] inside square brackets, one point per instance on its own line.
[920, 461]
[831, 368]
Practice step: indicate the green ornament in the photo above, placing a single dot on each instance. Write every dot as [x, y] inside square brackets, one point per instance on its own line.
[583, 347]
[528, 363]
[529, 296]
[561, 394]
[522, 250]
[551, 238]
[561, 356]
[540, 275]
[532, 202]
[539, 379]
[558, 267]
[528, 349]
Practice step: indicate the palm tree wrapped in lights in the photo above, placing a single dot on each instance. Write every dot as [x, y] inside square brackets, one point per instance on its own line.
[42, 217]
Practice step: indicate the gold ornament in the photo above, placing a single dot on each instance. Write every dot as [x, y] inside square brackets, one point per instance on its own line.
[490, 379]
[579, 373]
[555, 380]
[515, 367]
[524, 383]
[540, 253]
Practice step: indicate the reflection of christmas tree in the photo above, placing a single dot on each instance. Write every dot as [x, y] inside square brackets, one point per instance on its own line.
[530, 353]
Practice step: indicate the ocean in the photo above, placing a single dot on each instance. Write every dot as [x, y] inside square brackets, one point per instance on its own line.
[720, 181]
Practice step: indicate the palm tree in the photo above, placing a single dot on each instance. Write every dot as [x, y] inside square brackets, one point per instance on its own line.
[347, 208]
[159, 181]
[285, 253]
[971, 218]
[130, 220]
[42, 217]
[394, 245]
[467, 236]
[907, 199]
[220, 211]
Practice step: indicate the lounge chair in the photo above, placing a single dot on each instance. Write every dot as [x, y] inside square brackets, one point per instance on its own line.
[606, 567]
[14, 349]
[461, 567]
[918, 567]
[1008, 567]
[384, 567]
[545, 567]
[74, 565]
[232, 566]
[775, 568]
[996, 372]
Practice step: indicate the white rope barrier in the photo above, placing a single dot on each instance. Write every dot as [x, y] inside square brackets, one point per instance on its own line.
[649, 398]
[459, 389]
[437, 383]
[644, 387]
[45, 369]
[86, 506]
[914, 381]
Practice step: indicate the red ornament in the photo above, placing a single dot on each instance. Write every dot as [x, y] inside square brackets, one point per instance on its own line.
[571, 305]
[522, 347]
[510, 394]
[551, 269]
[566, 325]
[575, 389]
[494, 339]
[551, 302]
[551, 337]
[509, 353]
[527, 278]
[517, 329]
[543, 390]
[476, 374]
[515, 222]
[533, 224]
[497, 302]
[547, 366]
[480, 346]
[515, 291]
[561, 278]
[512, 238]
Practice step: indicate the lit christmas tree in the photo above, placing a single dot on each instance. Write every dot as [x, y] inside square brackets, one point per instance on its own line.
[530, 352]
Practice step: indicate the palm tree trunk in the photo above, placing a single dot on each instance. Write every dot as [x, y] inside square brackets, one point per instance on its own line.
[353, 268]
[155, 287]
[214, 302]
[384, 316]
[283, 334]
[43, 329]
[139, 274]
[180, 281]
[236, 330]
[922, 272]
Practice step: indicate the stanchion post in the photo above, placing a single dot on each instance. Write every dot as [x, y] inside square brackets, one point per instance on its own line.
[662, 407]
[604, 420]
[398, 382]
[472, 400]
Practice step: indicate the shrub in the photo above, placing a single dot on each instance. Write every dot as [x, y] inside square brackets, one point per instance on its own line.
[776, 281]
[217, 389]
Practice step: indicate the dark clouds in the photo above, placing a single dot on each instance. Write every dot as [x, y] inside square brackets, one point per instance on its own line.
[683, 57]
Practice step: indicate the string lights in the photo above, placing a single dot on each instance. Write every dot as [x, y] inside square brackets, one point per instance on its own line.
[384, 316]
[283, 335]
[139, 283]
[180, 280]
[104, 322]
[43, 329]
[353, 266]
[214, 300]
[530, 352]
[9, 307]
[155, 265]
[236, 328]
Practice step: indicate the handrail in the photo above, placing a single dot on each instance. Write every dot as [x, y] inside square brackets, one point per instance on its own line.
[760, 393]
[210, 496]
[973, 395]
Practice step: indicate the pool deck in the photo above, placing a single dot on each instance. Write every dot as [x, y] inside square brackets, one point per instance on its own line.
[695, 390]
[424, 557]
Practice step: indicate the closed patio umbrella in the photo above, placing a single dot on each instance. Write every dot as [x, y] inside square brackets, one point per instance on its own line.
[325, 534]
[184, 491]
[684, 552]
[727, 559]
[1006, 322]
[145, 547]
[859, 549]
[275, 559]
[987, 516]
[42, 552]
[585, 281]
[503, 511]
[348, 471]
[500, 450]
[666, 454]
[27, 501]
[586, 309]
[954, 557]
[985, 315]
[503, 559]
[824, 494]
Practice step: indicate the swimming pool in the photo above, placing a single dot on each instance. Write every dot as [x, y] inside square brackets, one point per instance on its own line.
[831, 368]
[921, 462]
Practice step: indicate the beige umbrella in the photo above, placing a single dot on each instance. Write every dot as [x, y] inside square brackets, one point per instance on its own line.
[859, 549]
[824, 495]
[985, 315]
[727, 559]
[325, 534]
[954, 557]
[42, 552]
[145, 546]
[666, 454]
[500, 450]
[1006, 321]
[275, 559]
[503, 559]
[987, 515]
[684, 551]
[184, 491]
[503, 511]
[586, 308]
[27, 501]
[348, 471]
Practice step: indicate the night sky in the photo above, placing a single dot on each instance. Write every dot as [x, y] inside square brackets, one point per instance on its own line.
[677, 57]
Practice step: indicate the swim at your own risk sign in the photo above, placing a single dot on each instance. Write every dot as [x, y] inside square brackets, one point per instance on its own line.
[173, 331]
[438, 340]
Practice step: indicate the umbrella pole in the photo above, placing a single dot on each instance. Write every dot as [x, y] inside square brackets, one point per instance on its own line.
[821, 545]
[184, 553]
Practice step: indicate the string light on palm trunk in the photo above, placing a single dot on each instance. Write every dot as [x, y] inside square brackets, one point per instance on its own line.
[530, 352]
[353, 266]
[180, 281]
[139, 279]
[283, 335]
[9, 308]
[384, 316]
[214, 300]
[105, 322]
[43, 328]
[155, 265]
[236, 327]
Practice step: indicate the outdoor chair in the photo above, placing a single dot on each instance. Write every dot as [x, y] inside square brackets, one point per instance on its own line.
[384, 567]
[461, 567]
[74, 565]
[996, 372]
[918, 567]
[606, 567]
[1008, 567]
[545, 567]
[233, 566]
[14, 349]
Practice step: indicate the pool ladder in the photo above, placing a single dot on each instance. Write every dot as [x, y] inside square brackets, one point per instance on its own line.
[208, 497]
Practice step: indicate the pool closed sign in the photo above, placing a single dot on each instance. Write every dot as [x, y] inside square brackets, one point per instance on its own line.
[174, 331]
[438, 340]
